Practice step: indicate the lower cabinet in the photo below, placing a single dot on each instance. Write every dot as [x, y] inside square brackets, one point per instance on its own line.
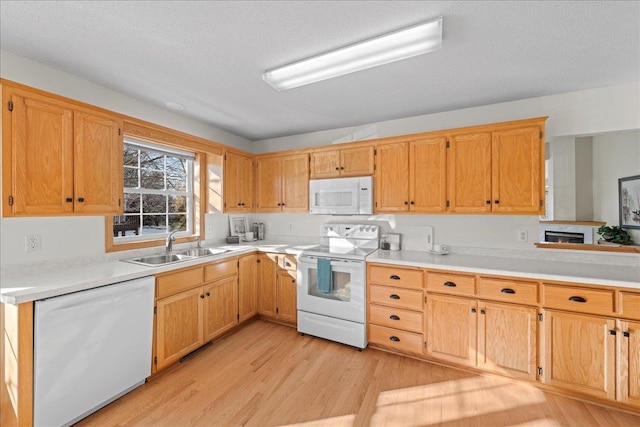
[194, 306]
[629, 363]
[247, 287]
[580, 353]
[452, 326]
[277, 288]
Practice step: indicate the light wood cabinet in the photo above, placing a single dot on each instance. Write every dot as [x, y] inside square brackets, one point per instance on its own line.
[452, 329]
[411, 176]
[469, 179]
[356, 161]
[497, 171]
[193, 306]
[59, 159]
[580, 353]
[277, 288]
[247, 287]
[391, 179]
[629, 363]
[396, 311]
[283, 183]
[238, 183]
[507, 339]
[179, 320]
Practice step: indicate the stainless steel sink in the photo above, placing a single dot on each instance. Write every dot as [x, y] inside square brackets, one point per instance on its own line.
[160, 259]
[200, 252]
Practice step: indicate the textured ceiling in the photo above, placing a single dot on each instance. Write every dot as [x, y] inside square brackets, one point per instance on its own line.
[209, 56]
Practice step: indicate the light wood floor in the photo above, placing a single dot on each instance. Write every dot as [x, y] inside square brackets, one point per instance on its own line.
[268, 375]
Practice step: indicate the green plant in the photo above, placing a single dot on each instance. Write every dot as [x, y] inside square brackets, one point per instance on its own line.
[615, 234]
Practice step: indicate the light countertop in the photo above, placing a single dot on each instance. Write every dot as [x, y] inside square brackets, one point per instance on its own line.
[34, 284]
[589, 273]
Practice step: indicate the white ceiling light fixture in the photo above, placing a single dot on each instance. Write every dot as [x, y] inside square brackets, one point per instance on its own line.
[396, 46]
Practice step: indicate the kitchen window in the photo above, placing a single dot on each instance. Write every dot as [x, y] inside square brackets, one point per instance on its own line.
[158, 193]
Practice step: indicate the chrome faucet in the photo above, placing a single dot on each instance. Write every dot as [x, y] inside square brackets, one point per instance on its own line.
[169, 242]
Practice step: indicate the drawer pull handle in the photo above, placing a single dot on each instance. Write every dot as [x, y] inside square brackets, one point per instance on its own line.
[394, 338]
[394, 317]
[577, 299]
[450, 284]
[612, 332]
[508, 291]
[394, 277]
[625, 334]
[394, 296]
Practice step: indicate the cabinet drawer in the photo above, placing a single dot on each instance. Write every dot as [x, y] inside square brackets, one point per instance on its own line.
[458, 284]
[508, 290]
[630, 305]
[584, 300]
[396, 297]
[221, 269]
[395, 339]
[396, 318]
[179, 281]
[396, 276]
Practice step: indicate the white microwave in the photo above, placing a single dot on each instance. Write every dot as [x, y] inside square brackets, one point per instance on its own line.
[341, 196]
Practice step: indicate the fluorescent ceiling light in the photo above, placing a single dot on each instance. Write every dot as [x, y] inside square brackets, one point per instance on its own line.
[406, 43]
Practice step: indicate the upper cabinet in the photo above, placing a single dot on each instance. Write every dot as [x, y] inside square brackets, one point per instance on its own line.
[484, 169]
[282, 183]
[58, 158]
[411, 176]
[238, 183]
[356, 161]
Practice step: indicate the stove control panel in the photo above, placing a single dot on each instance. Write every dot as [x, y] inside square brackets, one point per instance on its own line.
[351, 231]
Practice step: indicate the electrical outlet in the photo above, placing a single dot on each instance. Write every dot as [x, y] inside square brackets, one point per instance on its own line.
[429, 237]
[32, 243]
[522, 235]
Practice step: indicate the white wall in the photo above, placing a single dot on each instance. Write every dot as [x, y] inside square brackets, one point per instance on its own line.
[563, 152]
[586, 112]
[614, 156]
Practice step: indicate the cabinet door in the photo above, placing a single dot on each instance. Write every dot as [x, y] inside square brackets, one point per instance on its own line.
[428, 175]
[470, 173]
[507, 339]
[248, 287]
[220, 307]
[629, 363]
[268, 185]
[518, 171]
[295, 183]
[392, 178]
[267, 284]
[238, 183]
[286, 295]
[41, 141]
[179, 326]
[98, 181]
[452, 329]
[325, 164]
[580, 353]
[356, 161]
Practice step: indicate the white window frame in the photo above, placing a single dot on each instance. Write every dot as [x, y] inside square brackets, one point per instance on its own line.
[166, 151]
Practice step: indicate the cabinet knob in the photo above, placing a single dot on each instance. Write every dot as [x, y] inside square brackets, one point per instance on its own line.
[81, 199]
[488, 202]
[482, 312]
[406, 202]
[69, 199]
[337, 168]
[341, 167]
[625, 334]
[208, 294]
[202, 296]
[473, 310]
[412, 202]
[612, 332]
[496, 202]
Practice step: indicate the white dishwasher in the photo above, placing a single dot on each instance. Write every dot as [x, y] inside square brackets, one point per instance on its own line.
[90, 348]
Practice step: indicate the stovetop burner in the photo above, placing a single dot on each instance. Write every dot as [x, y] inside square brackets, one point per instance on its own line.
[347, 241]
